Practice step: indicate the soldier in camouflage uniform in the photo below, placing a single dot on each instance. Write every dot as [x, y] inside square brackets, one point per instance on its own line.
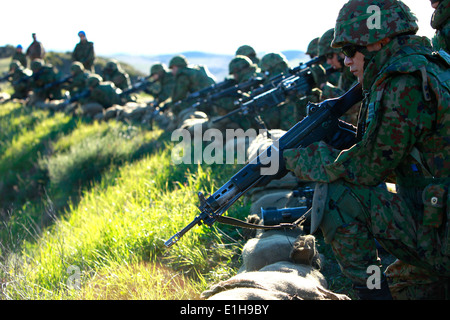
[242, 69]
[35, 50]
[249, 52]
[345, 79]
[113, 72]
[43, 75]
[103, 95]
[160, 88]
[284, 116]
[441, 22]
[84, 52]
[76, 86]
[19, 80]
[188, 79]
[334, 58]
[403, 132]
[79, 77]
[20, 56]
[162, 84]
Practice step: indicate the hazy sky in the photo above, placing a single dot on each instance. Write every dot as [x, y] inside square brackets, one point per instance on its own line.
[172, 26]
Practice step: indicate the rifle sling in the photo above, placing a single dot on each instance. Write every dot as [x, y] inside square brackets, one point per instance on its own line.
[242, 224]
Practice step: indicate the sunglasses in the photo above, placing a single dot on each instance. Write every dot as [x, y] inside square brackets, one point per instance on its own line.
[329, 55]
[351, 49]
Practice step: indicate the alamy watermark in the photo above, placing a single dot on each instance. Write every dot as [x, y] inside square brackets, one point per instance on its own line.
[374, 279]
[74, 279]
[212, 146]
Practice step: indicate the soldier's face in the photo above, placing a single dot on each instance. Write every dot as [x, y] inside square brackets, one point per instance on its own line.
[333, 61]
[356, 65]
[174, 70]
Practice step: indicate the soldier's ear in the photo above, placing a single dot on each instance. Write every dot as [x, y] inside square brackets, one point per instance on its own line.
[378, 45]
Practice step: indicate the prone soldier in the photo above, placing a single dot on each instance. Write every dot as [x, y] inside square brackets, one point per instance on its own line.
[44, 75]
[188, 79]
[113, 72]
[19, 79]
[401, 137]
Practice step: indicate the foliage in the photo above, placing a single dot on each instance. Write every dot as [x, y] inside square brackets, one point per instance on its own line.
[105, 196]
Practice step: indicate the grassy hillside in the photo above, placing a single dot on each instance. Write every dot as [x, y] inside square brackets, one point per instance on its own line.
[90, 204]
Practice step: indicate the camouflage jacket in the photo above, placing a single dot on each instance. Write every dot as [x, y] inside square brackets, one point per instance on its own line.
[188, 80]
[224, 105]
[84, 53]
[162, 89]
[20, 82]
[21, 57]
[398, 115]
[42, 77]
[78, 83]
[120, 79]
[441, 22]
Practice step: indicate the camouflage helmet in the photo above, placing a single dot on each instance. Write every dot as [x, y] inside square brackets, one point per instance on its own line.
[324, 44]
[179, 61]
[273, 60]
[76, 67]
[36, 64]
[364, 22]
[312, 49]
[245, 50]
[93, 80]
[157, 68]
[111, 65]
[238, 64]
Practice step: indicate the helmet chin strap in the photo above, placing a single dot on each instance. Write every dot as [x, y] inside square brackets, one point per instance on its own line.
[368, 58]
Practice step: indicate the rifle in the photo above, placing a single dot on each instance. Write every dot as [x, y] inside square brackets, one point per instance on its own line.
[58, 82]
[225, 84]
[299, 84]
[275, 80]
[234, 91]
[26, 78]
[322, 124]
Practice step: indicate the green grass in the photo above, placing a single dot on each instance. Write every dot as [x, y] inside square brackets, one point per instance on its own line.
[94, 202]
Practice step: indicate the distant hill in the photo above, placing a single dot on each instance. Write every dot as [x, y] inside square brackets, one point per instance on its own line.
[217, 63]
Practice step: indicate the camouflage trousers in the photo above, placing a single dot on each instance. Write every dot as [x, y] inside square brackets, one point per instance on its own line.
[353, 216]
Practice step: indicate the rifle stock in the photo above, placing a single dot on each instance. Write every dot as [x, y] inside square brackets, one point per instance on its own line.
[319, 125]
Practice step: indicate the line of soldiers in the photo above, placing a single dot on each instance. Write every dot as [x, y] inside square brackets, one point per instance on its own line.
[170, 87]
